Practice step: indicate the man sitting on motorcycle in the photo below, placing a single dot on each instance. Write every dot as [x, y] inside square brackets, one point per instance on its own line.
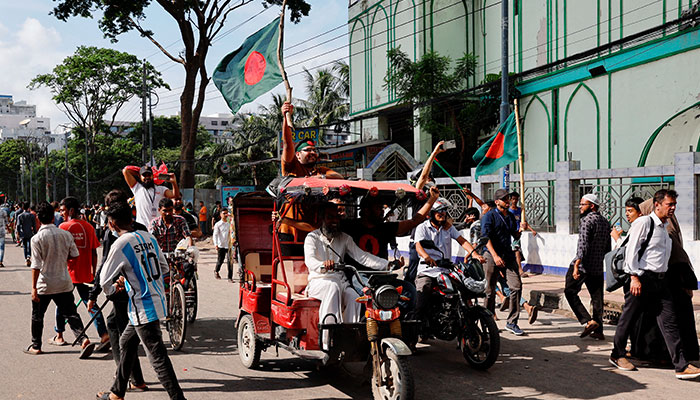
[437, 230]
[323, 248]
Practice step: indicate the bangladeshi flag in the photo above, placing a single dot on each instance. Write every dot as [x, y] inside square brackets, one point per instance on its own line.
[499, 151]
[250, 71]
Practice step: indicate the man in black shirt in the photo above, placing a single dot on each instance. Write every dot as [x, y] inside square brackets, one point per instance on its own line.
[179, 209]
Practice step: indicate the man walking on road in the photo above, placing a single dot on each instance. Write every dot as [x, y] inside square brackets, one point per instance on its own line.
[646, 261]
[133, 255]
[3, 224]
[587, 267]
[26, 228]
[221, 238]
[51, 248]
[82, 268]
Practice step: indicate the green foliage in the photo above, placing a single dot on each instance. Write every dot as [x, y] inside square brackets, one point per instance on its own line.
[167, 134]
[93, 82]
[445, 110]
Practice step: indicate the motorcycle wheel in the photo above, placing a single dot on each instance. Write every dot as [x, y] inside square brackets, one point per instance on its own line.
[249, 347]
[191, 299]
[177, 323]
[481, 343]
[397, 377]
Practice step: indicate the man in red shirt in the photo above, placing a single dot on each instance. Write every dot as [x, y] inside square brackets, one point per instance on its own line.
[82, 268]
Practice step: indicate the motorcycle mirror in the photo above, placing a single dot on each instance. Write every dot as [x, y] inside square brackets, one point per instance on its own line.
[428, 244]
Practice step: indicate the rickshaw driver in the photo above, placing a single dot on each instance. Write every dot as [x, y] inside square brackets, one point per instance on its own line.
[322, 249]
[437, 230]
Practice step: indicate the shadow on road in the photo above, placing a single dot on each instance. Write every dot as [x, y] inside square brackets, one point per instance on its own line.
[12, 293]
[209, 336]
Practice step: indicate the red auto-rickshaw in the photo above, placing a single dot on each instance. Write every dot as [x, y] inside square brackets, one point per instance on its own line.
[273, 307]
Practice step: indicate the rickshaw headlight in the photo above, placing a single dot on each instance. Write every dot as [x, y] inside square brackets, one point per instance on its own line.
[386, 297]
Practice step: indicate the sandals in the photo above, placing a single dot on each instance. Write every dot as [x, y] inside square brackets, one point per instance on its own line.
[105, 396]
[56, 342]
[87, 351]
[32, 351]
[137, 388]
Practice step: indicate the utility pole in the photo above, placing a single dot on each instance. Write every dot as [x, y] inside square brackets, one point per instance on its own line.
[21, 165]
[65, 144]
[150, 130]
[144, 132]
[505, 107]
[87, 171]
[46, 170]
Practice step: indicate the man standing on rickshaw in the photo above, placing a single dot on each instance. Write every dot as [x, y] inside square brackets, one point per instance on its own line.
[323, 248]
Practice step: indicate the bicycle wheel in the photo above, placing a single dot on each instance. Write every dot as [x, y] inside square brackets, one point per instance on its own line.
[191, 299]
[177, 323]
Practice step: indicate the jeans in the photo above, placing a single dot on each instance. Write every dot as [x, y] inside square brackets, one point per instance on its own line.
[117, 321]
[203, 227]
[152, 338]
[221, 256]
[27, 244]
[2, 247]
[413, 260]
[99, 322]
[64, 303]
[506, 291]
[594, 284]
[514, 281]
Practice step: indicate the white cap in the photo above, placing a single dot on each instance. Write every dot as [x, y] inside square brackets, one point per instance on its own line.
[591, 198]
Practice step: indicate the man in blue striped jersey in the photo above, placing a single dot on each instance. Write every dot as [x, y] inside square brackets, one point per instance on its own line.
[137, 257]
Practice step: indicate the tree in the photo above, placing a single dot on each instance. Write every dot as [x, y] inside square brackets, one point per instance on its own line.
[438, 91]
[92, 82]
[325, 104]
[11, 151]
[199, 23]
[166, 133]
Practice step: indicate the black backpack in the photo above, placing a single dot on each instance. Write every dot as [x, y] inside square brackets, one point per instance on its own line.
[615, 275]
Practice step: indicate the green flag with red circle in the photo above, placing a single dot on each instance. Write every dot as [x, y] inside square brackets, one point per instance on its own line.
[251, 71]
[499, 151]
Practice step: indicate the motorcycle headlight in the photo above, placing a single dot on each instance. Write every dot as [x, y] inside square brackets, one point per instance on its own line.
[386, 297]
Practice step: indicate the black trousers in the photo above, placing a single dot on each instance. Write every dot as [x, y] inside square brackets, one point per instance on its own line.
[594, 284]
[514, 281]
[683, 307]
[655, 298]
[413, 260]
[117, 321]
[220, 258]
[152, 338]
[64, 304]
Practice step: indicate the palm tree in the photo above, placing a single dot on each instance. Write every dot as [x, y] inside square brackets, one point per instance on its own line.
[326, 103]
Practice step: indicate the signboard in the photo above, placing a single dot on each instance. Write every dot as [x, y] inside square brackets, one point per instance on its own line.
[299, 135]
[232, 191]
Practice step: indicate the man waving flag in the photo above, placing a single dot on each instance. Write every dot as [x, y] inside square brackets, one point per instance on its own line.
[250, 71]
[499, 151]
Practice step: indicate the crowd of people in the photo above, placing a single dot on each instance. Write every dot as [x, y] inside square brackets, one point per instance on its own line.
[60, 242]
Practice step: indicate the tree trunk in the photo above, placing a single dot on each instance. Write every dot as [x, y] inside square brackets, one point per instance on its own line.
[463, 144]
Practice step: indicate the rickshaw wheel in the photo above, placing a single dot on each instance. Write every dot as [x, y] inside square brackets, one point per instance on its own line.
[191, 299]
[177, 324]
[396, 377]
[249, 347]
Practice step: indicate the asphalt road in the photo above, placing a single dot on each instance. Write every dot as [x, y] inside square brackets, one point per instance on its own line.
[550, 362]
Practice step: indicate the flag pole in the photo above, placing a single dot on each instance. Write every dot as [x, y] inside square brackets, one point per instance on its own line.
[280, 63]
[520, 162]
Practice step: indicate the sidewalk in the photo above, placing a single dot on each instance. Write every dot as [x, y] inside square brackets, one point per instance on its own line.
[547, 291]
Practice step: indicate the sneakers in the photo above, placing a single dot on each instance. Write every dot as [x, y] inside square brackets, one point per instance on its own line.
[690, 372]
[590, 327]
[624, 364]
[29, 262]
[514, 329]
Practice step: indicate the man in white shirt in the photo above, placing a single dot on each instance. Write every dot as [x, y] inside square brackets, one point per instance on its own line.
[646, 260]
[51, 249]
[221, 238]
[147, 194]
[322, 249]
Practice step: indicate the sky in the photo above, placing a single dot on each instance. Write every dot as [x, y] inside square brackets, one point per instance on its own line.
[32, 42]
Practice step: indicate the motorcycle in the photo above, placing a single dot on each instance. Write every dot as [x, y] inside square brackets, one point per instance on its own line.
[453, 311]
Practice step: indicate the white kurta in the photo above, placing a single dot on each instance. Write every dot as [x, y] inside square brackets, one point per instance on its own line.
[332, 288]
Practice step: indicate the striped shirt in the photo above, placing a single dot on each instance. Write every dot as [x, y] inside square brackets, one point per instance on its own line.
[136, 255]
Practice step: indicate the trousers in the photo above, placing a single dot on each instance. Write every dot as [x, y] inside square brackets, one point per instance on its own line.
[27, 246]
[220, 257]
[84, 294]
[117, 321]
[151, 336]
[594, 284]
[655, 298]
[64, 303]
[513, 280]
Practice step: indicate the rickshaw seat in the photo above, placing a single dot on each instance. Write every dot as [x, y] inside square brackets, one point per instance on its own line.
[297, 278]
[260, 265]
[299, 300]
